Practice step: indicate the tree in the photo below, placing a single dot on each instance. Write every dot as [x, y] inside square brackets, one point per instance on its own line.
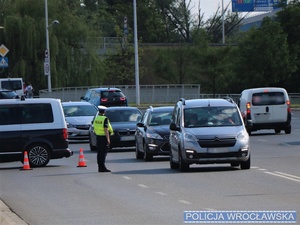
[263, 56]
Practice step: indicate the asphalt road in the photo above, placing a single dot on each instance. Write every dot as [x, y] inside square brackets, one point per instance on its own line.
[138, 192]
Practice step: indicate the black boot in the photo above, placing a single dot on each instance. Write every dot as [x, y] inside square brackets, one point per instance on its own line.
[104, 169]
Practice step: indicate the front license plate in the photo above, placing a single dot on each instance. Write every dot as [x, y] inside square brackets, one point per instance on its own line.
[217, 150]
[127, 138]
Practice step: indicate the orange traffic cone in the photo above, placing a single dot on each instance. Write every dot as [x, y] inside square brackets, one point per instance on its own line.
[26, 165]
[81, 162]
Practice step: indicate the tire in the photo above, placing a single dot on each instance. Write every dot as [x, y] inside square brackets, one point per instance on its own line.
[38, 155]
[277, 131]
[147, 156]
[288, 129]
[93, 148]
[173, 165]
[183, 166]
[138, 154]
[246, 165]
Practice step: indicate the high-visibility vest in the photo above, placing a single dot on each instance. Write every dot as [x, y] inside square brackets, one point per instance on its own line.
[99, 126]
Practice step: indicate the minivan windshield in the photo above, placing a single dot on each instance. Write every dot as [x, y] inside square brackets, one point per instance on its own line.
[212, 117]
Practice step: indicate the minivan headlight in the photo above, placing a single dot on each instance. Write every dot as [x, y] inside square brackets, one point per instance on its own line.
[190, 137]
[242, 135]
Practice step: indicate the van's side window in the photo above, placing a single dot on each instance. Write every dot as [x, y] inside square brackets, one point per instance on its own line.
[37, 113]
[9, 115]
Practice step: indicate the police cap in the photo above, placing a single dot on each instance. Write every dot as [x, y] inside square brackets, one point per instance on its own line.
[101, 108]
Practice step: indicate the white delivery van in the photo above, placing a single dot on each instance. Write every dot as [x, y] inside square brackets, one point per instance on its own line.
[266, 108]
[15, 84]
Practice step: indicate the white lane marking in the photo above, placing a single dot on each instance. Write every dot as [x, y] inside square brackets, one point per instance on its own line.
[143, 186]
[161, 193]
[261, 139]
[184, 202]
[288, 175]
[127, 178]
[283, 176]
[261, 169]
[254, 167]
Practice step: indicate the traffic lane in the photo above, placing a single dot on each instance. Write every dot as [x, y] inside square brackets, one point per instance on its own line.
[165, 192]
[139, 192]
[277, 151]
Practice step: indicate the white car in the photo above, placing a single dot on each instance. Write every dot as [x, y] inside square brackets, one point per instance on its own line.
[79, 116]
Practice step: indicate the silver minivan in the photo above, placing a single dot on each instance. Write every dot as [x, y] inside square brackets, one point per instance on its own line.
[266, 108]
[208, 131]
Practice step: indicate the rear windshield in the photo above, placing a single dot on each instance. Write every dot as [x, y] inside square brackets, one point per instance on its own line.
[268, 98]
[212, 117]
[12, 85]
[111, 94]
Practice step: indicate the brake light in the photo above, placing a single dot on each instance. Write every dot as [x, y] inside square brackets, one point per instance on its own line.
[104, 99]
[289, 106]
[65, 134]
[248, 106]
[123, 99]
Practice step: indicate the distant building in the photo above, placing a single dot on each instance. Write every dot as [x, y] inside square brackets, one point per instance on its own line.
[255, 21]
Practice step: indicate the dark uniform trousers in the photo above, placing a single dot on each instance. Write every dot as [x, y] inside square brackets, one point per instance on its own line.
[102, 150]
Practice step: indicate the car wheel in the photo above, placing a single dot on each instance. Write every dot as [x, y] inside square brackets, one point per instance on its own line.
[147, 155]
[246, 165]
[38, 155]
[173, 165]
[138, 154]
[183, 166]
[93, 148]
[277, 131]
[288, 129]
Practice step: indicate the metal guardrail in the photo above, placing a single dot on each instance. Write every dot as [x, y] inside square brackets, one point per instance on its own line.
[149, 94]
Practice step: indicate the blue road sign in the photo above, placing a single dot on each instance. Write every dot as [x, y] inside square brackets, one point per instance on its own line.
[256, 5]
[3, 62]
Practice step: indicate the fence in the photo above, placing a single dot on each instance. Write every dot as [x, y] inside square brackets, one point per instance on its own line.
[149, 94]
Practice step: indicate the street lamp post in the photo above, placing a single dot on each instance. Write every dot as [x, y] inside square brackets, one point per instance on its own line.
[47, 55]
[47, 52]
[136, 56]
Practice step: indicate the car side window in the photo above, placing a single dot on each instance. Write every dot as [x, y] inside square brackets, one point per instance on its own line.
[9, 114]
[37, 113]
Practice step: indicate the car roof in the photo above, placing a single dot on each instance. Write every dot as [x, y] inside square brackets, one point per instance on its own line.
[75, 103]
[6, 90]
[121, 108]
[161, 108]
[105, 89]
[195, 103]
[24, 100]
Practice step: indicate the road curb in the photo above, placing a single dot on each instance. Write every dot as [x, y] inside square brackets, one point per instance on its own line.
[8, 217]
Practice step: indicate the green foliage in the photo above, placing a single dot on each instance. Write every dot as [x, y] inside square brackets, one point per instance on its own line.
[265, 56]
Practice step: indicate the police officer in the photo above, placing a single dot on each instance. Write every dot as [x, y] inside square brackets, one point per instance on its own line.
[103, 130]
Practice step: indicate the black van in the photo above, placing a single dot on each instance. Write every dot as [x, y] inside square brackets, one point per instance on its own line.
[37, 126]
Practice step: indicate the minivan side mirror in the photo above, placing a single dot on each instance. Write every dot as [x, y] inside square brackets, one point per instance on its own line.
[174, 127]
[249, 124]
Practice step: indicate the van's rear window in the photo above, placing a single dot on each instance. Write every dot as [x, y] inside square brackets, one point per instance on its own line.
[268, 98]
